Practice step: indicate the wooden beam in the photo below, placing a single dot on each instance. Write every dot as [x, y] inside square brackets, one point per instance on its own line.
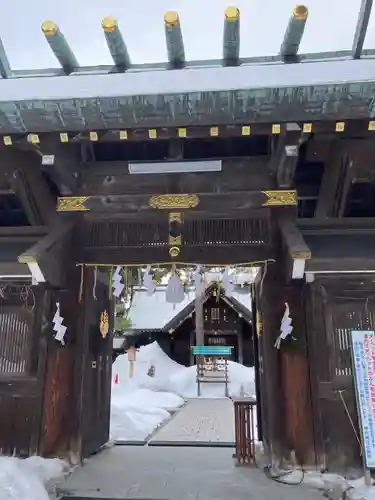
[363, 127]
[22, 170]
[293, 239]
[107, 178]
[49, 253]
[201, 203]
[296, 249]
[335, 182]
[63, 167]
[197, 254]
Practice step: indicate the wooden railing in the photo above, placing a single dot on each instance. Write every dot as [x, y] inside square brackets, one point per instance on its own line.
[244, 422]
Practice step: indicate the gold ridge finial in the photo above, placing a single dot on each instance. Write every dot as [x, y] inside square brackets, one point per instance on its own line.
[300, 12]
[109, 24]
[171, 18]
[49, 28]
[232, 13]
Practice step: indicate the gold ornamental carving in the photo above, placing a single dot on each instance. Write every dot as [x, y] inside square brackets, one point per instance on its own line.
[104, 324]
[72, 204]
[173, 201]
[280, 198]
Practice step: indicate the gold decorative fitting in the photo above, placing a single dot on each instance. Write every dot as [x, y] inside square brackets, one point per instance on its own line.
[175, 217]
[72, 204]
[7, 140]
[301, 255]
[171, 18]
[174, 240]
[371, 126]
[280, 198]
[340, 127]
[123, 135]
[93, 136]
[182, 132]
[246, 130]
[109, 24]
[232, 13]
[214, 131]
[174, 252]
[276, 128]
[104, 324]
[152, 133]
[173, 201]
[64, 137]
[49, 28]
[307, 128]
[33, 138]
[300, 12]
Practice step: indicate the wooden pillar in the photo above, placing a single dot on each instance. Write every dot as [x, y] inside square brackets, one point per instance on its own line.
[199, 320]
[285, 381]
[268, 292]
[240, 346]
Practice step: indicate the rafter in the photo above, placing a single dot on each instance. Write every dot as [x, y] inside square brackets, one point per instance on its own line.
[62, 164]
[25, 178]
[285, 159]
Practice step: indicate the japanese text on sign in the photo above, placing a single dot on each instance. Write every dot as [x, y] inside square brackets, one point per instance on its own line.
[363, 352]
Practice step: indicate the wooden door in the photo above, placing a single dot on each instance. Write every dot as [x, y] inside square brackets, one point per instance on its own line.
[335, 312]
[97, 365]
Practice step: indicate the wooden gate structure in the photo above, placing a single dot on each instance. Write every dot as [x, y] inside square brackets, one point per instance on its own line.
[227, 162]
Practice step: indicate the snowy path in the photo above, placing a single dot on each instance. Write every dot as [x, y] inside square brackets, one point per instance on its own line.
[175, 474]
[200, 422]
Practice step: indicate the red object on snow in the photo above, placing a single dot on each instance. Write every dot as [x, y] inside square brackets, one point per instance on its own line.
[116, 378]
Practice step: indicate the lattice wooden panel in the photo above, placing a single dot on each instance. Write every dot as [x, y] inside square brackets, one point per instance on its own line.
[252, 232]
[15, 328]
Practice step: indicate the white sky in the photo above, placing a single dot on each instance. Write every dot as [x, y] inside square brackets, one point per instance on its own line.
[263, 24]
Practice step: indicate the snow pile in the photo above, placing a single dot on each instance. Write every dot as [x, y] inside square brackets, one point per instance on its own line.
[241, 382]
[139, 405]
[26, 479]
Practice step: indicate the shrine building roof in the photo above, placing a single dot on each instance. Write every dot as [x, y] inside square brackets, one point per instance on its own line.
[282, 88]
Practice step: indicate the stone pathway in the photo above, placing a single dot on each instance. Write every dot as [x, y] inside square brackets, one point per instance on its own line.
[202, 422]
[132, 472]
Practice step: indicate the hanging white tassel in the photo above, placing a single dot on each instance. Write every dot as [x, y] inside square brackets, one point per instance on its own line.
[286, 327]
[175, 290]
[58, 327]
[117, 284]
[199, 281]
[227, 284]
[148, 282]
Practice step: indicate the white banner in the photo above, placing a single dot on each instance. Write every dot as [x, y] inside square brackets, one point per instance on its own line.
[363, 353]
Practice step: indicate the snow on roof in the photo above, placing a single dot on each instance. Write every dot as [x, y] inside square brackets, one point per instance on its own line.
[153, 312]
[214, 79]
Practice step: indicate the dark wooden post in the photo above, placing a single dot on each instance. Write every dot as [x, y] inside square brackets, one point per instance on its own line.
[199, 320]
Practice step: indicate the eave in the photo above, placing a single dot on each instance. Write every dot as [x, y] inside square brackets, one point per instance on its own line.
[256, 93]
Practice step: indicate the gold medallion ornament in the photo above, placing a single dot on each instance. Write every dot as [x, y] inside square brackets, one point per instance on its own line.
[173, 201]
[280, 198]
[174, 252]
[104, 324]
[72, 204]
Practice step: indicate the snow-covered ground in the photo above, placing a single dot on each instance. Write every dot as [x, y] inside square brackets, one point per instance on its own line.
[139, 405]
[26, 479]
